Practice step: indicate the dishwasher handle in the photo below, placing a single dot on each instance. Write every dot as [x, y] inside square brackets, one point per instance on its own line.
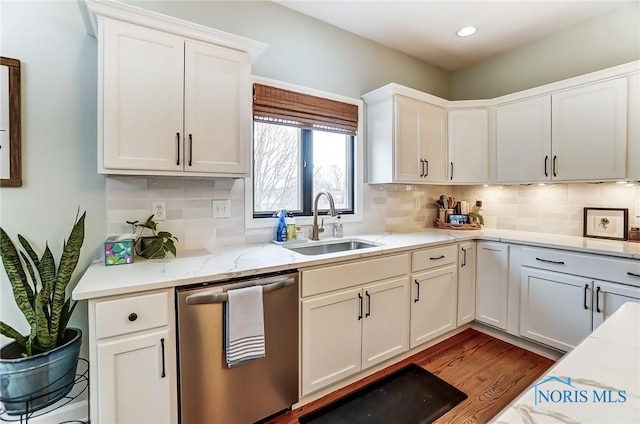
[219, 297]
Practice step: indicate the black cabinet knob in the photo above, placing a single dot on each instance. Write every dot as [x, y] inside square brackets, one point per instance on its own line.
[133, 316]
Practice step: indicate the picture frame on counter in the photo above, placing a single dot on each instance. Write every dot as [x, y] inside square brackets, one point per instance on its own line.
[606, 223]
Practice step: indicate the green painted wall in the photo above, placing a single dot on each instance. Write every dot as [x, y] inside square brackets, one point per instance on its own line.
[601, 42]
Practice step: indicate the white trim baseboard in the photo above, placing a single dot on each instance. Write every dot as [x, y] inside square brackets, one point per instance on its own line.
[536, 348]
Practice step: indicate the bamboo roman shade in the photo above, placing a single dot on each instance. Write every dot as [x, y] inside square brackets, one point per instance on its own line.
[284, 107]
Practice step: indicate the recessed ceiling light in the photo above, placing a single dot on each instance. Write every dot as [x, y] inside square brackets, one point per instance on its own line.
[467, 31]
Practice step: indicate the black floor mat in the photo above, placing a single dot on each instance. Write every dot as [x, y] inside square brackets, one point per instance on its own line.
[411, 395]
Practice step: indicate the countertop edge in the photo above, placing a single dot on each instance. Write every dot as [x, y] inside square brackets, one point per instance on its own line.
[250, 260]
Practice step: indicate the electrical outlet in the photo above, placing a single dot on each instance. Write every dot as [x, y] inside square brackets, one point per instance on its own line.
[159, 211]
[221, 208]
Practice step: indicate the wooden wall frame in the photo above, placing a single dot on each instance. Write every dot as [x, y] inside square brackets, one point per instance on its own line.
[14, 179]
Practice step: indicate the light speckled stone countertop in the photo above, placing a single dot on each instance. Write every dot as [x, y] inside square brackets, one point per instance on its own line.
[597, 382]
[247, 260]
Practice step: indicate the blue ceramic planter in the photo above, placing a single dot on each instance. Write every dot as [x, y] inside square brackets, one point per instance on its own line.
[30, 384]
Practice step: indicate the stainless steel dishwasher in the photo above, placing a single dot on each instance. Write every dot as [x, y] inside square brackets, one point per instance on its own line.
[212, 393]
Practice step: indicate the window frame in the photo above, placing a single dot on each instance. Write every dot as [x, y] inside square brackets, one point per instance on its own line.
[357, 163]
[306, 174]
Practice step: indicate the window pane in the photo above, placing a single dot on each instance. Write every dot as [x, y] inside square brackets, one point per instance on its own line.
[276, 171]
[331, 169]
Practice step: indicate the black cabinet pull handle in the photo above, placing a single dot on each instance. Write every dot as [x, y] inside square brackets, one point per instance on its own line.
[586, 287]
[133, 316]
[633, 274]
[598, 300]
[546, 159]
[421, 168]
[451, 176]
[435, 259]
[554, 165]
[550, 261]
[178, 144]
[360, 301]
[163, 375]
[417, 299]
[190, 149]
[368, 304]
[426, 162]
[464, 257]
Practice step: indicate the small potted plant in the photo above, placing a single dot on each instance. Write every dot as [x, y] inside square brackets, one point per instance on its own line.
[39, 368]
[153, 246]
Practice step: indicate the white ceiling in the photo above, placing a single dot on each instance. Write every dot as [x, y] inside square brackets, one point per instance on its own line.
[426, 29]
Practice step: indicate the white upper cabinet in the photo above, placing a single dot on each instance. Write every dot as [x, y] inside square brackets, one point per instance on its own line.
[217, 108]
[579, 134]
[141, 97]
[468, 147]
[406, 137]
[174, 98]
[523, 140]
[589, 132]
[633, 129]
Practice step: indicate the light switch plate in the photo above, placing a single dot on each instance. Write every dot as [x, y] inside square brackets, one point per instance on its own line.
[221, 208]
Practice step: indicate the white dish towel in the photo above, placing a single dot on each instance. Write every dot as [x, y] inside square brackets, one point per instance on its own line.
[244, 335]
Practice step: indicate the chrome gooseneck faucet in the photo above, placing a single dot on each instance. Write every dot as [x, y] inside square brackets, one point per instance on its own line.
[315, 230]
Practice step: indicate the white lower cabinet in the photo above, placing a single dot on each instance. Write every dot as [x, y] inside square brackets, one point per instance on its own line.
[433, 304]
[492, 279]
[135, 387]
[466, 282]
[562, 296]
[609, 297]
[331, 338]
[384, 326]
[555, 308]
[349, 330]
[132, 351]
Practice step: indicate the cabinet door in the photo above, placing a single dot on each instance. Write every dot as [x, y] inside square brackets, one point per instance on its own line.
[385, 327]
[523, 141]
[433, 140]
[589, 132]
[433, 304]
[492, 279]
[408, 150]
[420, 142]
[141, 87]
[555, 309]
[217, 109]
[331, 338]
[137, 379]
[633, 154]
[468, 134]
[608, 298]
[466, 282]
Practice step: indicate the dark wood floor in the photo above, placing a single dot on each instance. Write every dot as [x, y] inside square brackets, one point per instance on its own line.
[491, 372]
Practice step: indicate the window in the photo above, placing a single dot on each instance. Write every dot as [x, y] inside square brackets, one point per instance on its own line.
[302, 145]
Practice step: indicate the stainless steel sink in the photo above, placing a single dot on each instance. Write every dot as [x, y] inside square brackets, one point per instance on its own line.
[331, 247]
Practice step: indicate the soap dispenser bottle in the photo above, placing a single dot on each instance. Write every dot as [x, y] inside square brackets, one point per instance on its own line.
[337, 227]
[281, 227]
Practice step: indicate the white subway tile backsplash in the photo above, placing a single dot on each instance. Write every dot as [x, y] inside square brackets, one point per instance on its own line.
[554, 208]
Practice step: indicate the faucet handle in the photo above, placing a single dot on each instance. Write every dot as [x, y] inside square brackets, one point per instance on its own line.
[321, 229]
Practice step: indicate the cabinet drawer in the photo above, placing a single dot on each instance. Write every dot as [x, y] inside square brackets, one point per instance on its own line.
[626, 271]
[127, 315]
[431, 258]
[322, 280]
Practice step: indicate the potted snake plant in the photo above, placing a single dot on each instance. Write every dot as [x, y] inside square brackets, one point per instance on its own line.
[38, 369]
